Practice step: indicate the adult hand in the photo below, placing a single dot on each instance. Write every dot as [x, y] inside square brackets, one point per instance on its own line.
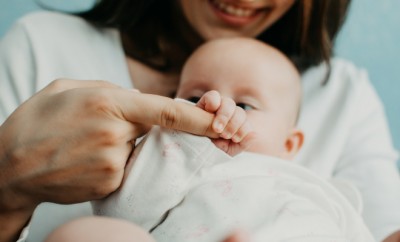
[69, 142]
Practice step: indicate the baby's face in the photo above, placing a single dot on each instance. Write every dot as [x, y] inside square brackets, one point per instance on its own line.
[257, 87]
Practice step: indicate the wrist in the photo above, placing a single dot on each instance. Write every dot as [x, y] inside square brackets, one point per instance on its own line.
[12, 223]
[12, 197]
[14, 212]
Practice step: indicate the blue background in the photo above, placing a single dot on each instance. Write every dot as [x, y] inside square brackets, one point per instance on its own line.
[370, 38]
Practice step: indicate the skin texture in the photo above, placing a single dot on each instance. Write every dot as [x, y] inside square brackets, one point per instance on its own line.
[217, 60]
[255, 76]
[31, 160]
[230, 122]
[94, 229]
[62, 117]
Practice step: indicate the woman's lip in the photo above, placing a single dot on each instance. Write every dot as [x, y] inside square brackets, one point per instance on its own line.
[232, 19]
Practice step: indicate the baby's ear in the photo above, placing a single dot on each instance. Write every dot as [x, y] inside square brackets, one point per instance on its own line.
[293, 143]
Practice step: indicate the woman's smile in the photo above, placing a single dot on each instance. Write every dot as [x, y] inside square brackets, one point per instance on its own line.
[232, 18]
[234, 14]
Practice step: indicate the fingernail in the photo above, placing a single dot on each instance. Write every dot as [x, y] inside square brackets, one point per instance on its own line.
[218, 126]
[236, 138]
[226, 135]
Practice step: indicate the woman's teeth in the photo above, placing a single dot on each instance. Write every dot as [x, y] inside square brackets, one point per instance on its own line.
[232, 10]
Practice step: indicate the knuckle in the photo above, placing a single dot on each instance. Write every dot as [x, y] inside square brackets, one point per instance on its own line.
[107, 136]
[99, 192]
[58, 85]
[112, 171]
[99, 101]
[110, 165]
[100, 98]
[169, 117]
[104, 83]
[17, 155]
[111, 186]
[104, 189]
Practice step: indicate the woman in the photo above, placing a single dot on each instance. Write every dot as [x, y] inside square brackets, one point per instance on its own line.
[69, 143]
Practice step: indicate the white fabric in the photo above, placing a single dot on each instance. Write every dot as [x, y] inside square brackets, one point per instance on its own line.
[24, 234]
[346, 132]
[183, 188]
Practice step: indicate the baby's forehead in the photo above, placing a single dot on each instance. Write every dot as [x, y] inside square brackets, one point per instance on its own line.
[247, 62]
[240, 53]
[231, 47]
[243, 54]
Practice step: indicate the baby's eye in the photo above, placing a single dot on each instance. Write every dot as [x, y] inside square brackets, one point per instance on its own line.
[193, 99]
[245, 106]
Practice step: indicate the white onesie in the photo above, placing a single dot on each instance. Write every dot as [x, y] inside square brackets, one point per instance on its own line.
[182, 188]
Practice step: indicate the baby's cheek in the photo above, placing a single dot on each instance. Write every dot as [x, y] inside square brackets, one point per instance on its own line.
[266, 145]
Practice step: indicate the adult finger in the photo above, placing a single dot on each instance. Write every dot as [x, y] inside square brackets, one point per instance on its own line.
[158, 110]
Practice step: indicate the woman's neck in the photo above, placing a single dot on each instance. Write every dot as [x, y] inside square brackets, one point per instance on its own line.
[148, 80]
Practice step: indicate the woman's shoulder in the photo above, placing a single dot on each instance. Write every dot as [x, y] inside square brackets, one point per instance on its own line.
[347, 71]
[346, 84]
[59, 36]
[62, 45]
[59, 24]
[43, 16]
[52, 20]
[342, 72]
[344, 78]
[46, 22]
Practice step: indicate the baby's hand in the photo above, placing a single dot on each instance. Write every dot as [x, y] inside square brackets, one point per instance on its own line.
[230, 122]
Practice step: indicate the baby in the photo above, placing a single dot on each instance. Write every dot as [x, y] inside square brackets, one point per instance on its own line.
[260, 80]
[180, 187]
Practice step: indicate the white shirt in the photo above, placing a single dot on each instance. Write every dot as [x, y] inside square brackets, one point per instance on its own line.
[181, 187]
[346, 133]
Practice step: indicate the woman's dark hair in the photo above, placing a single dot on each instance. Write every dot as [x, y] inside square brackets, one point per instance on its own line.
[156, 33]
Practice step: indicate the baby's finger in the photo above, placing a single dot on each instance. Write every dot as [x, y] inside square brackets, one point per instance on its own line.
[243, 131]
[231, 148]
[210, 101]
[245, 144]
[224, 114]
[236, 121]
